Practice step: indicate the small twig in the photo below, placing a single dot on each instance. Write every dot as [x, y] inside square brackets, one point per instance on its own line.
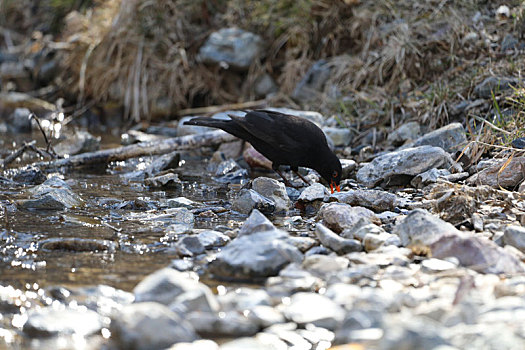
[116, 229]
[491, 125]
[78, 112]
[33, 116]
[10, 158]
[41, 153]
[497, 146]
[49, 148]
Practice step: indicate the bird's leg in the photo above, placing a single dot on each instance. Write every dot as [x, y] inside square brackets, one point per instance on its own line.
[301, 176]
[286, 182]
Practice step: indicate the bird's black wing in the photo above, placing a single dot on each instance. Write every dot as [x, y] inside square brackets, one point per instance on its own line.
[288, 133]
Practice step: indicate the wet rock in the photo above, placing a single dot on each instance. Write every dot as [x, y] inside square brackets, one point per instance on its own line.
[264, 85]
[388, 217]
[292, 279]
[165, 285]
[53, 194]
[237, 176]
[265, 316]
[158, 166]
[515, 236]
[302, 243]
[373, 241]
[437, 265]
[102, 298]
[477, 253]
[339, 136]
[314, 308]
[494, 85]
[256, 222]
[247, 343]
[249, 199]
[429, 177]
[324, 266]
[451, 138]
[11, 299]
[203, 344]
[313, 82]
[213, 239]
[381, 257]
[190, 246]
[79, 245]
[313, 193]
[172, 220]
[226, 166]
[260, 253]
[228, 324]
[349, 165]
[78, 142]
[134, 204]
[361, 324]
[362, 228]
[372, 199]
[477, 221]
[406, 163]
[488, 336]
[359, 273]
[149, 325]
[198, 300]
[317, 336]
[231, 47]
[228, 171]
[242, 299]
[209, 212]
[415, 333]
[339, 216]
[227, 150]
[336, 243]
[50, 321]
[288, 333]
[168, 180]
[406, 132]
[273, 190]
[182, 264]
[18, 121]
[422, 228]
[510, 177]
[182, 202]
[29, 175]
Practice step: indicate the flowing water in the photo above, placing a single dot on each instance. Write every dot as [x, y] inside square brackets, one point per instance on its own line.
[110, 200]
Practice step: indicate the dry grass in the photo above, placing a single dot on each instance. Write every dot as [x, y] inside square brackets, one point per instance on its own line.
[389, 60]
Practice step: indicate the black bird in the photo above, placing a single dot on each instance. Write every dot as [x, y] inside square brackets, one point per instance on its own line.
[284, 139]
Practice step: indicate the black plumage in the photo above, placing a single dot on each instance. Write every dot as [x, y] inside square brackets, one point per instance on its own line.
[283, 139]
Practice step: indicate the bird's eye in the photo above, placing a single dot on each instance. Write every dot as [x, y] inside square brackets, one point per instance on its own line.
[335, 173]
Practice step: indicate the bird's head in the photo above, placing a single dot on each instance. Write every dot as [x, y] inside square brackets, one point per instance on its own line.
[331, 171]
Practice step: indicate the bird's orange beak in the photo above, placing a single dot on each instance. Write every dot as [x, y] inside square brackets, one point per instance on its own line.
[333, 185]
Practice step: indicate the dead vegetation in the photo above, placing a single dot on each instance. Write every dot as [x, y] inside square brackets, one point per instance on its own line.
[389, 61]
